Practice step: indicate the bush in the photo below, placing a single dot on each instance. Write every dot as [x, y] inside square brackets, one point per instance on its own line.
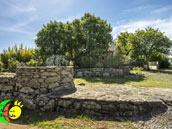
[163, 61]
[138, 68]
[33, 62]
[99, 65]
[1, 66]
[116, 60]
[12, 64]
[71, 63]
[57, 60]
[86, 62]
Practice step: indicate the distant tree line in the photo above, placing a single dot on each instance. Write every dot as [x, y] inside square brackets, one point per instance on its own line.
[14, 56]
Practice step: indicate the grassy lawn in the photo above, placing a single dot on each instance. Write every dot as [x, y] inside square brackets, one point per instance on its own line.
[52, 120]
[161, 78]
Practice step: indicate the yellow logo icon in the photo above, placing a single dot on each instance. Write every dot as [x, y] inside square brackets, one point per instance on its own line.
[15, 111]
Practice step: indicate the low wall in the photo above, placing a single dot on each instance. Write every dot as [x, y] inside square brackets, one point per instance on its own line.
[31, 84]
[7, 86]
[102, 72]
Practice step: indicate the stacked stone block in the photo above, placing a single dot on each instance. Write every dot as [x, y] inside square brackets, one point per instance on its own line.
[102, 72]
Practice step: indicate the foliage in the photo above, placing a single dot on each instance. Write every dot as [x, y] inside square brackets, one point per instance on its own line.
[125, 44]
[12, 64]
[99, 65]
[116, 61]
[89, 36]
[144, 43]
[1, 65]
[163, 61]
[57, 60]
[51, 38]
[33, 62]
[71, 63]
[138, 68]
[20, 56]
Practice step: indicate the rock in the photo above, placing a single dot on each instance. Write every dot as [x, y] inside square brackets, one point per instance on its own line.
[65, 80]
[79, 74]
[26, 90]
[50, 106]
[77, 105]
[64, 72]
[41, 103]
[121, 73]
[29, 104]
[49, 74]
[53, 85]
[64, 103]
[43, 89]
[6, 88]
[52, 79]
[33, 83]
[106, 74]
[91, 105]
[98, 74]
[18, 85]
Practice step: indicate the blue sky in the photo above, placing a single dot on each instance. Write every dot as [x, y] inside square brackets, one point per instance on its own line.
[20, 20]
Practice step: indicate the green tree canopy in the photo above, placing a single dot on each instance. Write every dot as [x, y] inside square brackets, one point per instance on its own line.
[144, 43]
[51, 38]
[88, 36]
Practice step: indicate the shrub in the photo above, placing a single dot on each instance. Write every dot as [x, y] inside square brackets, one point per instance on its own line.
[33, 62]
[86, 62]
[116, 60]
[1, 66]
[12, 64]
[71, 63]
[163, 61]
[138, 68]
[99, 65]
[57, 60]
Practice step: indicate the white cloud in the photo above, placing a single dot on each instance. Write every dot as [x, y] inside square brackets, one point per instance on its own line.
[162, 10]
[164, 25]
[140, 8]
[25, 9]
[71, 18]
[20, 27]
[17, 7]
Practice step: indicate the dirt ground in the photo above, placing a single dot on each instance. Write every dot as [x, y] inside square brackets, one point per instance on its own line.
[16, 125]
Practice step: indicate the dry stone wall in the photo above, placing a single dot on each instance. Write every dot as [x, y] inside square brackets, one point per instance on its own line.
[102, 72]
[35, 86]
[7, 85]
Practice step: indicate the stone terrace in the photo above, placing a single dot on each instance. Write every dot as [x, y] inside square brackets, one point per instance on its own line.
[118, 101]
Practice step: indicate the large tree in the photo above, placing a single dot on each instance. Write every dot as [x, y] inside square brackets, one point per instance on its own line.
[144, 43]
[89, 36]
[51, 39]
[124, 42]
[150, 41]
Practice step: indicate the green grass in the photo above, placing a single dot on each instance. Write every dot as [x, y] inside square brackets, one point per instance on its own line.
[51, 120]
[161, 78]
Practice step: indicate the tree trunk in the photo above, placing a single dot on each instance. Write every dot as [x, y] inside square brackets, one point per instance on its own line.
[147, 63]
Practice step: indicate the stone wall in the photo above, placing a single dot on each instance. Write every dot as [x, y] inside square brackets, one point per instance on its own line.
[31, 84]
[102, 72]
[7, 85]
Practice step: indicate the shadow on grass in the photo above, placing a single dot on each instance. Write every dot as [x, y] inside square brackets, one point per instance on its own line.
[165, 71]
[115, 80]
[35, 117]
